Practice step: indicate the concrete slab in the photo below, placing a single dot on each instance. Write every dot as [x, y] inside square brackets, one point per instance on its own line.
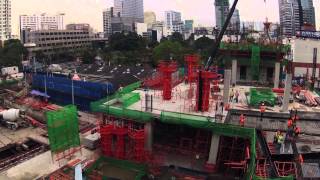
[39, 166]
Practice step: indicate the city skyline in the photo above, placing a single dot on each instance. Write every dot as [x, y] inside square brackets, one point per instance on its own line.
[87, 11]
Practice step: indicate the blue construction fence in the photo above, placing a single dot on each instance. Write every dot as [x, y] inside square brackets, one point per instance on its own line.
[59, 88]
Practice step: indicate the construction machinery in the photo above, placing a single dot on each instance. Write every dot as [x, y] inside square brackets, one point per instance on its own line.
[13, 118]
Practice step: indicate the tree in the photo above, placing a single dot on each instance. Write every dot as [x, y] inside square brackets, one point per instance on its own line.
[203, 43]
[12, 53]
[167, 50]
[88, 55]
[176, 36]
[127, 42]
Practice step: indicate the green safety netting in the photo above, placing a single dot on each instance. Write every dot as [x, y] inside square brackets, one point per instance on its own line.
[123, 164]
[129, 99]
[255, 62]
[248, 47]
[138, 116]
[63, 128]
[100, 106]
[258, 95]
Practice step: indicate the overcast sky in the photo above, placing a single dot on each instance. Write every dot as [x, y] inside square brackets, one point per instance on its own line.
[202, 11]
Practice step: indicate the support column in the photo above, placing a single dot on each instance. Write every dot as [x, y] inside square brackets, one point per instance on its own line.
[226, 88]
[276, 75]
[149, 136]
[214, 148]
[287, 92]
[234, 71]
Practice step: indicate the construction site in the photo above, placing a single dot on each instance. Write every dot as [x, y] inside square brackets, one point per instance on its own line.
[247, 117]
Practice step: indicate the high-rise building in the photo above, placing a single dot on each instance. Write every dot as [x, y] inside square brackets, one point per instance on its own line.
[308, 12]
[42, 22]
[289, 17]
[221, 11]
[188, 26]
[173, 21]
[172, 17]
[5, 20]
[107, 18]
[234, 26]
[129, 9]
[150, 18]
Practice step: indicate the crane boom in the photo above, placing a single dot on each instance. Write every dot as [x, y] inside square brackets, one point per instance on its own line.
[219, 38]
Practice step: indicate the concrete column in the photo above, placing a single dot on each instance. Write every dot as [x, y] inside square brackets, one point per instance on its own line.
[234, 71]
[148, 130]
[287, 92]
[226, 88]
[214, 148]
[276, 75]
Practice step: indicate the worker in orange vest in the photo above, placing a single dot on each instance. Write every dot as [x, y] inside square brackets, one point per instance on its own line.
[242, 120]
[262, 110]
[301, 159]
[290, 123]
[297, 131]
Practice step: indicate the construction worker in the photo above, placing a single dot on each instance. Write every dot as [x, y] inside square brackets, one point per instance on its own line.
[262, 110]
[242, 120]
[280, 141]
[231, 95]
[290, 123]
[300, 159]
[297, 131]
[237, 96]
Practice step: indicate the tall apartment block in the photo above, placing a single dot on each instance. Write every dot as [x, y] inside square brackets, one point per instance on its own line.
[5, 20]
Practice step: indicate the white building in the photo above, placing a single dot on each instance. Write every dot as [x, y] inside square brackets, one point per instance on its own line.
[302, 49]
[42, 22]
[129, 8]
[107, 18]
[5, 20]
[173, 21]
[141, 28]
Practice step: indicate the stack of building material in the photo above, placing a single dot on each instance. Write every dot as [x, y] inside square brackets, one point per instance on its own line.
[91, 141]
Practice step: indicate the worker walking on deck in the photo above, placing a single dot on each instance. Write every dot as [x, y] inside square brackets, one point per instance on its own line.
[242, 120]
[237, 96]
[231, 95]
[279, 140]
[262, 110]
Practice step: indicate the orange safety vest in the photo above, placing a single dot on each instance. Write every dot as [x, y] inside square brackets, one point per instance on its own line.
[290, 123]
[301, 159]
[242, 120]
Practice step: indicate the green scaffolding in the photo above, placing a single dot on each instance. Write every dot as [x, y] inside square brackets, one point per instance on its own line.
[259, 95]
[63, 128]
[255, 62]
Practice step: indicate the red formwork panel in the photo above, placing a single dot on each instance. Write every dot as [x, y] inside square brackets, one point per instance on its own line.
[203, 101]
[138, 140]
[192, 65]
[167, 68]
[106, 139]
[121, 133]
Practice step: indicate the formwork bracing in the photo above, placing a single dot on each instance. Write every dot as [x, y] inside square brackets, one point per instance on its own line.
[167, 68]
[192, 121]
